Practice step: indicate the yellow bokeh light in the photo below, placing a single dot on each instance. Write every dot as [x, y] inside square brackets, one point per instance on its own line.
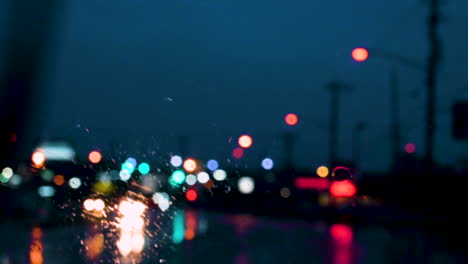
[323, 171]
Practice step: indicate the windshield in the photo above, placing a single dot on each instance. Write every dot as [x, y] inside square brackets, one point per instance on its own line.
[232, 131]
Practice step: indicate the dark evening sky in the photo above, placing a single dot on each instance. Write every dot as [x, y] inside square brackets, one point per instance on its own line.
[131, 69]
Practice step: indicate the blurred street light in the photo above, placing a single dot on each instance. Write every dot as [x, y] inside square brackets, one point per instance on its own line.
[360, 54]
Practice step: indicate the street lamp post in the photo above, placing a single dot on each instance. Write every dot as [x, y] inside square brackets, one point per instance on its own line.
[358, 128]
[394, 90]
[335, 88]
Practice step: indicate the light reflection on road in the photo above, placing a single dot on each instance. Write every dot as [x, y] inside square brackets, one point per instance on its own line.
[342, 236]
[93, 243]
[210, 238]
[36, 247]
[132, 230]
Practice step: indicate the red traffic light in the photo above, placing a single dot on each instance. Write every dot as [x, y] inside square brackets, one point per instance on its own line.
[360, 54]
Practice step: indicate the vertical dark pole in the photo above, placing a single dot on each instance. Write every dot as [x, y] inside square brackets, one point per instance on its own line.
[356, 137]
[431, 82]
[288, 141]
[334, 88]
[395, 116]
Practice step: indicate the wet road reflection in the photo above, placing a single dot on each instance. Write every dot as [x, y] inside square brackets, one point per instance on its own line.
[36, 247]
[144, 235]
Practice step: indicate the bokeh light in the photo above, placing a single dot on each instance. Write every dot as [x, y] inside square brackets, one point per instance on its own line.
[144, 168]
[38, 158]
[341, 234]
[360, 54]
[191, 195]
[246, 185]
[219, 175]
[46, 191]
[322, 171]
[95, 156]
[342, 189]
[212, 165]
[94, 245]
[128, 166]
[238, 153]
[15, 181]
[47, 175]
[7, 172]
[131, 222]
[162, 200]
[176, 161]
[59, 180]
[189, 234]
[191, 179]
[178, 176]
[178, 225]
[132, 161]
[323, 199]
[89, 204]
[410, 148]
[285, 192]
[291, 119]
[74, 183]
[125, 175]
[3, 179]
[37, 233]
[245, 141]
[190, 165]
[36, 248]
[203, 177]
[267, 163]
[99, 205]
[131, 227]
[131, 208]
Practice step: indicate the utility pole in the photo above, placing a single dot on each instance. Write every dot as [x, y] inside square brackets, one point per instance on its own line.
[289, 139]
[335, 88]
[433, 59]
[359, 127]
[395, 116]
[431, 82]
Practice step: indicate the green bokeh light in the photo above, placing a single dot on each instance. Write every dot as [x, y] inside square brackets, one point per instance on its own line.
[128, 167]
[144, 168]
[178, 177]
[47, 175]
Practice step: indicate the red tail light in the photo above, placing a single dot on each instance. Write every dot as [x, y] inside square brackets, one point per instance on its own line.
[343, 189]
[312, 183]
